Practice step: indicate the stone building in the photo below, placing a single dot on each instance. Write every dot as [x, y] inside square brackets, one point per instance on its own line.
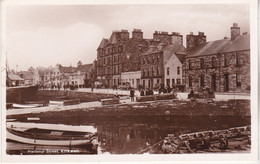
[162, 64]
[118, 54]
[109, 55]
[193, 41]
[118, 59]
[83, 75]
[31, 77]
[221, 65]
[58, 76]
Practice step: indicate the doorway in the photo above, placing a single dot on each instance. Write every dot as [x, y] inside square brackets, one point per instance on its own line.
[213, 82]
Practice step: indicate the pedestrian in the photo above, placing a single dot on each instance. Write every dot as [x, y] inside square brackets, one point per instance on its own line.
[191, 95]
[142, 92]
[92, 87]
[132, 94]
[116, 95]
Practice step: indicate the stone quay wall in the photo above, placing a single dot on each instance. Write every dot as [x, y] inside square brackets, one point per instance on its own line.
[82, 96]
[153, 108]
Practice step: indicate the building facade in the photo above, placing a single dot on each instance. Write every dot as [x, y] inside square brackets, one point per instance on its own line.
[221, 65]
[119, 54]
[119, 57]
[162, 64]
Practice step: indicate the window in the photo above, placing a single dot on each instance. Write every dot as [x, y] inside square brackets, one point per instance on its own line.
[173, 81]
[158, 81]
[189, 64]
[108, 60]
[178, 70]
[120, 49]
[168, 71]
[190, 81]
[140, 48]
[143, 61]
[152, 59]
[179, 81]
[238, 81]
[168, 82]
[158, 57]
[157, 71]
[237, 60]
[213, 62]
[201, 63]
[202, 81]
[225, 60]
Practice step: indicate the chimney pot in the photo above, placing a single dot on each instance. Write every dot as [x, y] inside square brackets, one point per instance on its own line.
[235, 24]
[201, 33]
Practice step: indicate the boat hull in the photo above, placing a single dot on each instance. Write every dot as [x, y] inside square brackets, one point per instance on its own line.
[20, 94]
[11, 135]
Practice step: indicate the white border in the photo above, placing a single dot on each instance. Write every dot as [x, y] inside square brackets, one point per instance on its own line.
[187, 158]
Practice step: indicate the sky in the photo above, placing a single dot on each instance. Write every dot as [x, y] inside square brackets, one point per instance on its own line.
[44, 35]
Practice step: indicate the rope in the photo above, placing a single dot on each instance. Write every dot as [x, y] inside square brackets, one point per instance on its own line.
[149, 147]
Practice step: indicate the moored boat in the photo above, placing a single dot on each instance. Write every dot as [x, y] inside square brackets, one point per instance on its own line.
[22, 106]
[53, 135]
[209, 141]
[20, 94]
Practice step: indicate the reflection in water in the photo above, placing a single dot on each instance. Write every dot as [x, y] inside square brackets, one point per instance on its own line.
[132, 134]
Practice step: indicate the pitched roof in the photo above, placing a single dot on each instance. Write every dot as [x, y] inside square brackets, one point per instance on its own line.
[241, 43]
[113, 38]
[42, 72]
[15, 78]
[209, 48]
[103, 43]
[175, 47]
[26, 75]
[66, 69]
[178, 49]
[83, 68]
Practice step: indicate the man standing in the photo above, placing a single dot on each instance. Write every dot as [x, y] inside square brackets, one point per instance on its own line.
[132, 94]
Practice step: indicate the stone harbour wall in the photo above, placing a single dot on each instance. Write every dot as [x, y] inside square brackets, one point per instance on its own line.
[82, 96]
[154, 108]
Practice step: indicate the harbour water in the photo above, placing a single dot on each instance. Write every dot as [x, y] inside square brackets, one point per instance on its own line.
[129, 135]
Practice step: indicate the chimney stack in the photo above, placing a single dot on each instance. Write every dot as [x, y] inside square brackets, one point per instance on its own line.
[137, 34]
[193, 41]
[177, 38]
[235, 31]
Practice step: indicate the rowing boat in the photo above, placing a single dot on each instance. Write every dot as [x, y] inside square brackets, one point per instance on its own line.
[56, 135]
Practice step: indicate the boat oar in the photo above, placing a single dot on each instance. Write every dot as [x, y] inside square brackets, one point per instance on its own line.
[149, 147]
